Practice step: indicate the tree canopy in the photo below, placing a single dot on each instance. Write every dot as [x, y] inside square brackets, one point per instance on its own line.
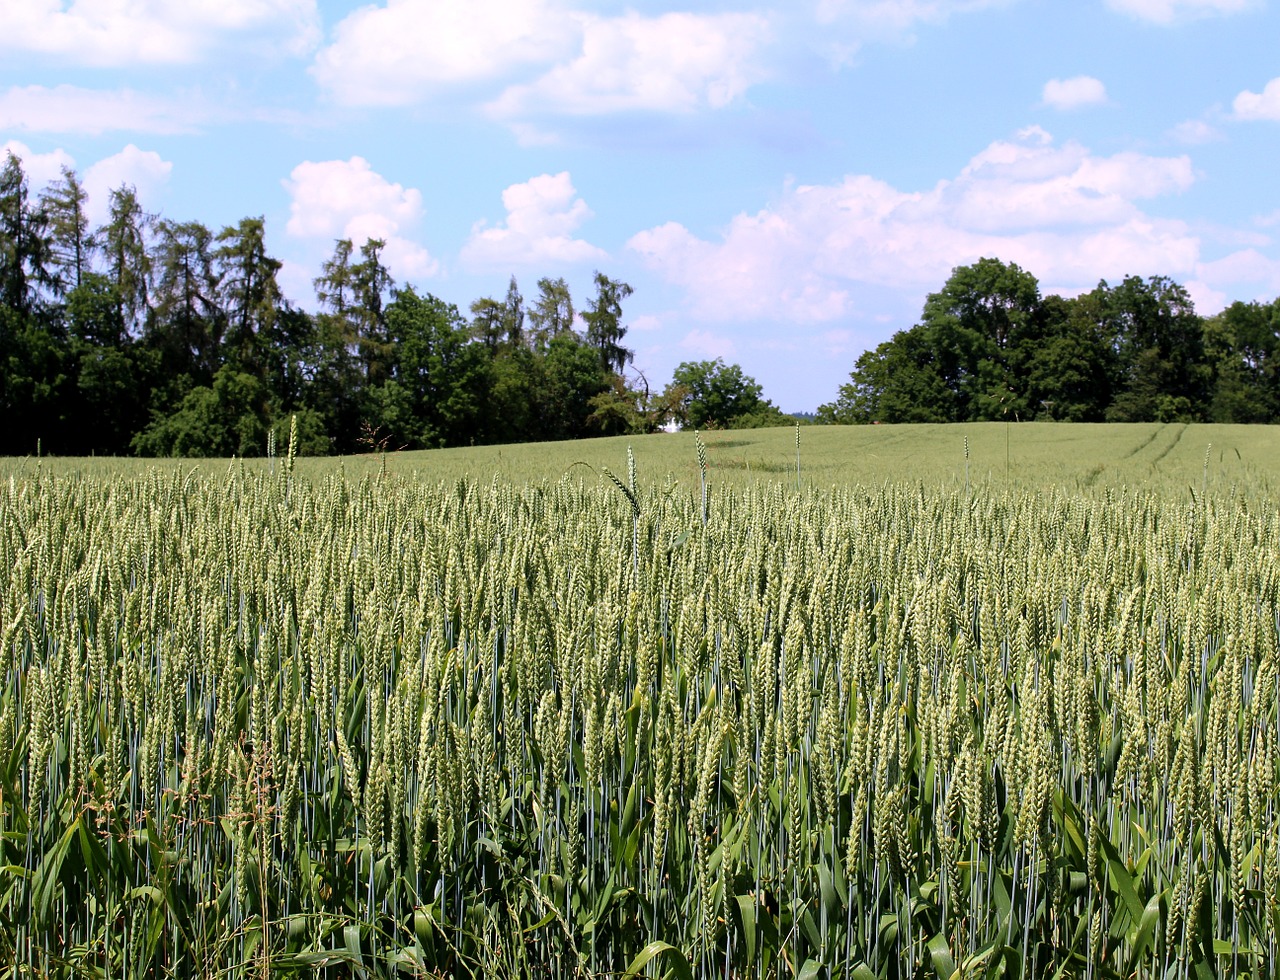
[989, 347]
[712, 394]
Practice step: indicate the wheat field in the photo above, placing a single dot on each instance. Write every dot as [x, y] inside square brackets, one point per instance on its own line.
[644, 717]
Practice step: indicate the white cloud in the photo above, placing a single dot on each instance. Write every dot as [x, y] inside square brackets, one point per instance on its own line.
[708, 344]
[143, 170]
[401, 52]
[1059, 211]
[848, 24]
[336, 199]
[677, 62]
[1206, 300]
[1240, 274]
[40, 168]
[896, 16]
[111, 32]
[296, 281]
[1171, 11]
[1195, 132]
[68, 109]
[1263, 105]
[837, 341]
[1074, 93]
[542, 214]
[1244, 266]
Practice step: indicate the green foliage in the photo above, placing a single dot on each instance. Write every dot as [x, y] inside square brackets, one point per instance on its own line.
[604, 323]
[440, 377]
[572, 376]
[1242, 346]
[228, 418]
[989, 347]
[712, 394]
[159, 337]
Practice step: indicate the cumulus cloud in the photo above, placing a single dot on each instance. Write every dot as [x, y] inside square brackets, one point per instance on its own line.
[1259, 105]
[1171, 11]
[402, 52]
[335, 199]
[68, 109]
[1244, 266]
[1243, 273]
[896, 16]
[707, 344]
[849, 24]
[1074, 93]
[108, 32]
[542, 214]
[143, 170]
[40, 168]
[676, 62]
[1058, 210]
[1206, 300]
[1194, 132]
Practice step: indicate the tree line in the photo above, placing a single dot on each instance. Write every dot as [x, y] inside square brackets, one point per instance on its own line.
[989, 347]
[147, 336]
[155, 337]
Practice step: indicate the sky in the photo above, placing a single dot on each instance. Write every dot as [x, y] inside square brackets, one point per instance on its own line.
[782, 184]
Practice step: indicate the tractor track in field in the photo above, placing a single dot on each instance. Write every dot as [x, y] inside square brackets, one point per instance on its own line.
[1169, 448]
[1145, 442]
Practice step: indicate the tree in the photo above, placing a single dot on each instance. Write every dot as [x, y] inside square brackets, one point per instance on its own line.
[496, 324]
[71, 244]
[292, 359]
[333, 285]
[898, 381]
[512, 408]
[630, 406]
[1242, 348]
[248, 293]
[33, 382]
[187, 322]
[552, 314]
[123, 240]
[711, 394]
[1067, 370]
[571, 378]
[513, 315]
[436, 394]
[604, 323]
[371, 283]
[1160, 370]
[487, 327]
[968, 359]
[226, 418]
[24, 241]
[336, 388]
[979, 323]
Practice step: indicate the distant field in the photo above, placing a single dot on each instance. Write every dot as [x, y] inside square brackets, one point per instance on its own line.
[1070, 456]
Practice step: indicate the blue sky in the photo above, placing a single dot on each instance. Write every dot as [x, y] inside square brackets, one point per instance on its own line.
[782, 184]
